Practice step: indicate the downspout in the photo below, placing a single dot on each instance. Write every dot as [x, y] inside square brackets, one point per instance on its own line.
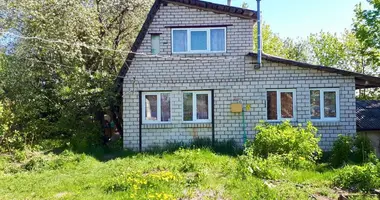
[259, 43]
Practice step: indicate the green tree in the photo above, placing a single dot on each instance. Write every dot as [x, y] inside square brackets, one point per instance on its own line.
[60, 73]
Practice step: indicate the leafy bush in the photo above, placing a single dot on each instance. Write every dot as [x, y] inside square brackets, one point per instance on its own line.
[362, 148]
[284, 139]
[266, 168]
[348, 149]
[342, 150]
[363, 178]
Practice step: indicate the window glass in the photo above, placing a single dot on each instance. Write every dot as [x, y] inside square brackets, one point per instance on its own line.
[272, 105]
[198, 40]
[151, 107]
[155, 44]
[330, 104]
[286, 104]
[179, 40]
[202, 106]
[315, 104]
[218, 42]
[165, 107]
[188, 107]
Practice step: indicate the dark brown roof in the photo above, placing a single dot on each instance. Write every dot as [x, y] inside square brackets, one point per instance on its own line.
[367, 115]
[217, 8]
[361, 80]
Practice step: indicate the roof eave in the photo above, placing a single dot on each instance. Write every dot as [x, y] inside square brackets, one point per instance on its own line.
[361, 80]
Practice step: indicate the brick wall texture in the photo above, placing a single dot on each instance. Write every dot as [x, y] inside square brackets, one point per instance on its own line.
[230, 79]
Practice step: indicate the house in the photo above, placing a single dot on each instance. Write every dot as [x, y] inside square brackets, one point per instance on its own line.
[368, 121]
[191, 72]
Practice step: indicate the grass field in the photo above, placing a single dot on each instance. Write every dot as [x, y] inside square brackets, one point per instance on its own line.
[184, 174]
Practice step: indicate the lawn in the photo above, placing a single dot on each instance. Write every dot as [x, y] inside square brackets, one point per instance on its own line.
[184, 174]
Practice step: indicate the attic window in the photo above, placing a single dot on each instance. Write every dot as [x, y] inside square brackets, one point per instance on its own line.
[155, 44]
[199, 40]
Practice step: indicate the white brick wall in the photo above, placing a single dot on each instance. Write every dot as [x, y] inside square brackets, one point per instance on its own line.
[229, 80]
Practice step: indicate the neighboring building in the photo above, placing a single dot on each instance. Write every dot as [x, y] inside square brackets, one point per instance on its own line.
[194, 60]
[368, 121]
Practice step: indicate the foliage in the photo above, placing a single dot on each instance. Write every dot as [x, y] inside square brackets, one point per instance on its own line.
[363, 178]
[57, 84]
[367, 28]
[265, 168]
[284, 139]
[342, 150]
[347, 149]
[228, 147]
[147, 176]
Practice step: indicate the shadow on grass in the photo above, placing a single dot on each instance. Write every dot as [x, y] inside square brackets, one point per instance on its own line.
[115, 150]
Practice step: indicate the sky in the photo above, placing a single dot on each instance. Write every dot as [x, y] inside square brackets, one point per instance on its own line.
[300, 18]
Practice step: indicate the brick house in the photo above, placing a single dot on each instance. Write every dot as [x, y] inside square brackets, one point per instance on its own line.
[194, 59]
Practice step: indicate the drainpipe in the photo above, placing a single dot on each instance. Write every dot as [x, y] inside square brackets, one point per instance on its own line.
[229, 2]
[259, 43]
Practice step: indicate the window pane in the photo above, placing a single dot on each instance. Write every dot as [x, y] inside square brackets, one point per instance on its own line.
[330, 104]
[272, 105]
[155, 44]
[286, 104]
[179, 40]
[218, 40]
[188, 107]
[315, 104]
[165, 107]
[198, 40]
[202, 106]
[151, 107]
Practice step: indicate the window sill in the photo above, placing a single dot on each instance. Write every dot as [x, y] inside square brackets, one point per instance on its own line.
[326, 123]
[196, 124]
[157, 125]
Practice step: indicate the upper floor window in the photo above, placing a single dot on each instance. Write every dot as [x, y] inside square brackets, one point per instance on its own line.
[198, 40]
[281, 104]
[156, 108]
[324, 104]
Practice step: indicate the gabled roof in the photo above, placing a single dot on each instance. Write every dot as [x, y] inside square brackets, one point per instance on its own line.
[203, 5]
[368, 115]
[361, 80]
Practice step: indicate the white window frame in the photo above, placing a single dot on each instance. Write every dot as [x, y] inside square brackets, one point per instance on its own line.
[195, 120]
[158, 121]
[278, 101]
[322, 104]
[208, 30]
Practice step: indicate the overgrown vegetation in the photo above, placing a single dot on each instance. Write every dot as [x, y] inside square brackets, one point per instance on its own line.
[347, 149]
[193, 171]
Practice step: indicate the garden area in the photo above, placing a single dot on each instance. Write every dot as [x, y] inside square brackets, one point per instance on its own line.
[283, 162]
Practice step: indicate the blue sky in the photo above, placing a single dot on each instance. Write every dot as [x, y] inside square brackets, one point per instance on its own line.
[300, 18]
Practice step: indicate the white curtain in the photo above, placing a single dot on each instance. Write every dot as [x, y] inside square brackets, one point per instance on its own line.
[179, 40]
[218, 40]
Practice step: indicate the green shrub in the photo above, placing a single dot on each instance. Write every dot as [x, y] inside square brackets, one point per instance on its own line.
[284, 139]
[359, 178]
[348, 149]
[362, 149]
[266, 168]
[342, 150]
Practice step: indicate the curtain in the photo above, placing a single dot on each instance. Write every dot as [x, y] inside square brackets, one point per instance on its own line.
[198, 40]
[179, 40]
[217, 40]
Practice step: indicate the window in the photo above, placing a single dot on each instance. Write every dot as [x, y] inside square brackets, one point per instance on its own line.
[198, 40]
[155, 44]
[324, 104]
[156, 108]
[281, 104]
[197, 106]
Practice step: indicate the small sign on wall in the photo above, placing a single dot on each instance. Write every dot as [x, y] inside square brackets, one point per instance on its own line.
[236, 107]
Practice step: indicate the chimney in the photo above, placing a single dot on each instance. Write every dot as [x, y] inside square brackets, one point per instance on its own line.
[229, 2]
[259, 39]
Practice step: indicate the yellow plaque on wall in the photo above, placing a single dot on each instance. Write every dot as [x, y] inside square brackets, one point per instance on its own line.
[236, 107]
